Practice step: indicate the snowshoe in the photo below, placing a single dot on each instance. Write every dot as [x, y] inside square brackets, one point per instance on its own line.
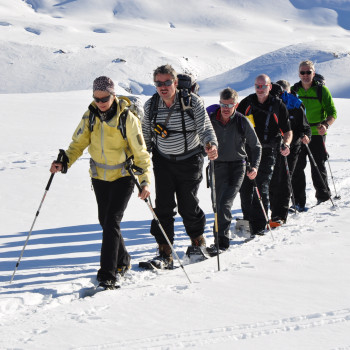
[298, 208]
[197, 254]
[276, 223]
[242, 228]
[197, 251]
[108, 285]
[213, 250]
[158, 263]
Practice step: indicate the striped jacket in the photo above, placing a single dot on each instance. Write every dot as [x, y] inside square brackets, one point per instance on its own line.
[199, 130]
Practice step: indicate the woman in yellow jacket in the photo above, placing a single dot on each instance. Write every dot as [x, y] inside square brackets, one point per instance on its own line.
[112, 184]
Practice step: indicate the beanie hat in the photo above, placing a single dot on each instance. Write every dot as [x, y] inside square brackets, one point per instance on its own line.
[104, 84]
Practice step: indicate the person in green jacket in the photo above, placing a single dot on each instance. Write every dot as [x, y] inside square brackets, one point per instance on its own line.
[321, 114]
[112, 184]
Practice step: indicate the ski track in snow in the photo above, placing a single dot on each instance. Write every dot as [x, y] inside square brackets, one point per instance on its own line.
[239, 332]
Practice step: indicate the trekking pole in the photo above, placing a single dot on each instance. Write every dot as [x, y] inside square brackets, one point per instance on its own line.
[312, 159]
[289, 180]
[213, 197]
[249, 168]
[330, 170]
[337, 196]
[60, 155]
[130, 167]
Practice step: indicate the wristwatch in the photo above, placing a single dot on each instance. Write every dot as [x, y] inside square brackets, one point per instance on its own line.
[324, 123]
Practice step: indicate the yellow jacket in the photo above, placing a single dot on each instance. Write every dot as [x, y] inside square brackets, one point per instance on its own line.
[107, 147]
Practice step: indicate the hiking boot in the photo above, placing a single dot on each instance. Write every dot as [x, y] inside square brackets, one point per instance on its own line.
[319, 201]
[198, 241]
[259, 233]
[164, 261]
[108, 284]
[299, 208]
[213, 251]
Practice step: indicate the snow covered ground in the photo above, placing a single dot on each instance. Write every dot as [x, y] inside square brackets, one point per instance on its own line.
[286, 291]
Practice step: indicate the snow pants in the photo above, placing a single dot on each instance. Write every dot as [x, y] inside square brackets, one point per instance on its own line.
[112, 200]
[280, 190]
[319, 153]
[228, 181]
[181, 179]
[251, 207]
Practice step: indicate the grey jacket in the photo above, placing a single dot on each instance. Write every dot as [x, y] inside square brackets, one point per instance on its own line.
[233, 138]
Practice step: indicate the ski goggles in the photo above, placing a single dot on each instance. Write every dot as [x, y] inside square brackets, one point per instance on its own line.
[228, 105]
[102, 100]
[262, 86]
[307, 72]
[163, 83]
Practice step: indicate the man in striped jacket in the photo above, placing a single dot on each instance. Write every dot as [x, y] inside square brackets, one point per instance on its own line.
[175, 134]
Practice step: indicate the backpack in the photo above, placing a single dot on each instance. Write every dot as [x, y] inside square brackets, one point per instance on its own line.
[319, 82]
[135, 106]
[273, 110]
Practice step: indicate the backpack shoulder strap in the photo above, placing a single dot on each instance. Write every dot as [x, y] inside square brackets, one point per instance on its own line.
[186, 102]
[153, 108]
[319, 92]
[92, 118]
[122, 122]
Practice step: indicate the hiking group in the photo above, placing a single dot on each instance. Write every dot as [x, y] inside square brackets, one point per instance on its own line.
[257, 148]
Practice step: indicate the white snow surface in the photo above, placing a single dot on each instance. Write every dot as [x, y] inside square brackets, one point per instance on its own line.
[286, 290]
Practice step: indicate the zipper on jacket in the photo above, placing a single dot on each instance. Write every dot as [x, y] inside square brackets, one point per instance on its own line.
[102, 150]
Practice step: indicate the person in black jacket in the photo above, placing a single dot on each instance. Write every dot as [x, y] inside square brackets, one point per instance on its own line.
[280, 186]
[233, 131]
[270, 119]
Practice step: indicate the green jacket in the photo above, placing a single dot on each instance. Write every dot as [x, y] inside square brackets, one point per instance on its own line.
[107, 148]
[315, 111]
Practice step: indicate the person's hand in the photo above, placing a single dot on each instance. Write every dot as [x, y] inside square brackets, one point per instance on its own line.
[55, 167]
[145, 193]
[252, 173]
[321, 129]
[212, 152]
[285, 150]
[305, 140]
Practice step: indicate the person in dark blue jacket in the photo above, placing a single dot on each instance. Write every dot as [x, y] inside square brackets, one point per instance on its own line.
[280, 186]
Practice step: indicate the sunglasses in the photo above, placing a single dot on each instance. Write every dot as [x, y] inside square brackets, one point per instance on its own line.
[102, 100]
[303, 72]
[228, 105]
[261, 86]
[163, 83]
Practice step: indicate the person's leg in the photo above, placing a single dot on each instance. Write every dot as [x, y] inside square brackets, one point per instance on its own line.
[188, 174]
[165, 199]
[320, 156]
[298, 179]
[112, 199]
[229, 180]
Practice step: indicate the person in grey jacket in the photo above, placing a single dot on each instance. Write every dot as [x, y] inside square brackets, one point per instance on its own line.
[233, 132]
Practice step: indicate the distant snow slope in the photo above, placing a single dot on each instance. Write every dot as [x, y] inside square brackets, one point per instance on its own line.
[54, 45]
